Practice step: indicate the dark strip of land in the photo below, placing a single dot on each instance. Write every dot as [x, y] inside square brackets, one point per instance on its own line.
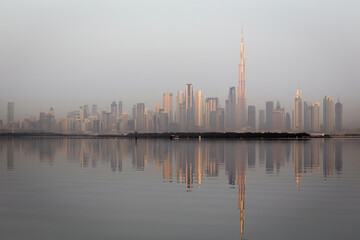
[168, 135]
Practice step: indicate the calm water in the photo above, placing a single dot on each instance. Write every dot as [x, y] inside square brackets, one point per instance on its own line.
[160, 189]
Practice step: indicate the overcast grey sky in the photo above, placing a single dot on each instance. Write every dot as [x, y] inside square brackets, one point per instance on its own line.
[69, 53]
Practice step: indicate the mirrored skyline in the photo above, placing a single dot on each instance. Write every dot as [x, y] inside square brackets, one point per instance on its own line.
[261, 169]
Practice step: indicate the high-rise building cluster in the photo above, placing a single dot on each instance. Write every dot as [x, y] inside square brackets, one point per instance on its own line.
[191, 113]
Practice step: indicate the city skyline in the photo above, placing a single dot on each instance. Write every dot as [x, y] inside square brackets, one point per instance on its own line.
[192, 114]
[105, 57]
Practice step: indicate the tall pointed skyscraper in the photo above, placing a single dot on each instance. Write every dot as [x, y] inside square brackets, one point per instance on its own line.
[241, 92]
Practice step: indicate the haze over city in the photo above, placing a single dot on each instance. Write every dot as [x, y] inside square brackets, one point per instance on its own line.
[73, 53]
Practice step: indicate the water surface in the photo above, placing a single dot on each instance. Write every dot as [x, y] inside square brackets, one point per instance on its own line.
[160, 189]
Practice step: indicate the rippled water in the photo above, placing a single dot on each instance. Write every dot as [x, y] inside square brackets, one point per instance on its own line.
[160, 189]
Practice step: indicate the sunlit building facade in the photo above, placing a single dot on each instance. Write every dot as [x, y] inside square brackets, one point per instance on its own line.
[199, 111]
[328, 114]
[298, 112]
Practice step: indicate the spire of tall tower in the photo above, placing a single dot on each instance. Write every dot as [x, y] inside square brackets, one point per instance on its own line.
[241, 93]
[242, 60]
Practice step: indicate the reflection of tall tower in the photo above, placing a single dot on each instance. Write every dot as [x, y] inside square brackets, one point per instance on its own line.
[307, 157]
[251, 154]
[269, 161]
[241, 92]
[10, 155]
[279, 155]
[189, 166]
[338, 157]
[167, 167]
[328, 161]
[240, 180]
[315, 156]
[138, 155]
[212, 156]
[199, 162]
[298, 165]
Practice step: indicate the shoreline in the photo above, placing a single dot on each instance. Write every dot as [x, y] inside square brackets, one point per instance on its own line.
[168, 135]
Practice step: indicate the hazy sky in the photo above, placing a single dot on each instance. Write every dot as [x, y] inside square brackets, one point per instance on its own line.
[69, 53]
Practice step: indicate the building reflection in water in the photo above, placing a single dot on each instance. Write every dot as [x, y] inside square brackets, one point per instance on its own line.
[138, 155]
[338, 157]
[235, 166]
[298, 151]
[241, 156]
[193, 162]
[251, 154]
[261, 152]
[269, 162]
[279, 155]
[315, 157]
[10, 155]
[328, 161]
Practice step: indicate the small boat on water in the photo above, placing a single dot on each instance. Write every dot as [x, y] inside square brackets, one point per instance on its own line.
[174, 137]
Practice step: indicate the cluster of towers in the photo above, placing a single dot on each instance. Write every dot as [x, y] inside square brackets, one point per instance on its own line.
[307, 118]
[304, 118]
[192, 112]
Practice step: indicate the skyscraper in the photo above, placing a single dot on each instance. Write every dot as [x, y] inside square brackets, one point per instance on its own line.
[298, 116]
[251, 118]
[328, 114]
[120, 108]
[199, 110]
[86, 111]
[10, 112]
[140, 117]
[262, 121]
[180, 112]
[307, 116]
[241, 92]
[189, 106]
[338, 116]
[315, 117]
[94, 110]
[211, 105]
[230, 110]
[114, 108]
[180, 99]
[269, 115]
[287, 122]
[82, 114]
[279, 118]
[133, 112]
[168, 106]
